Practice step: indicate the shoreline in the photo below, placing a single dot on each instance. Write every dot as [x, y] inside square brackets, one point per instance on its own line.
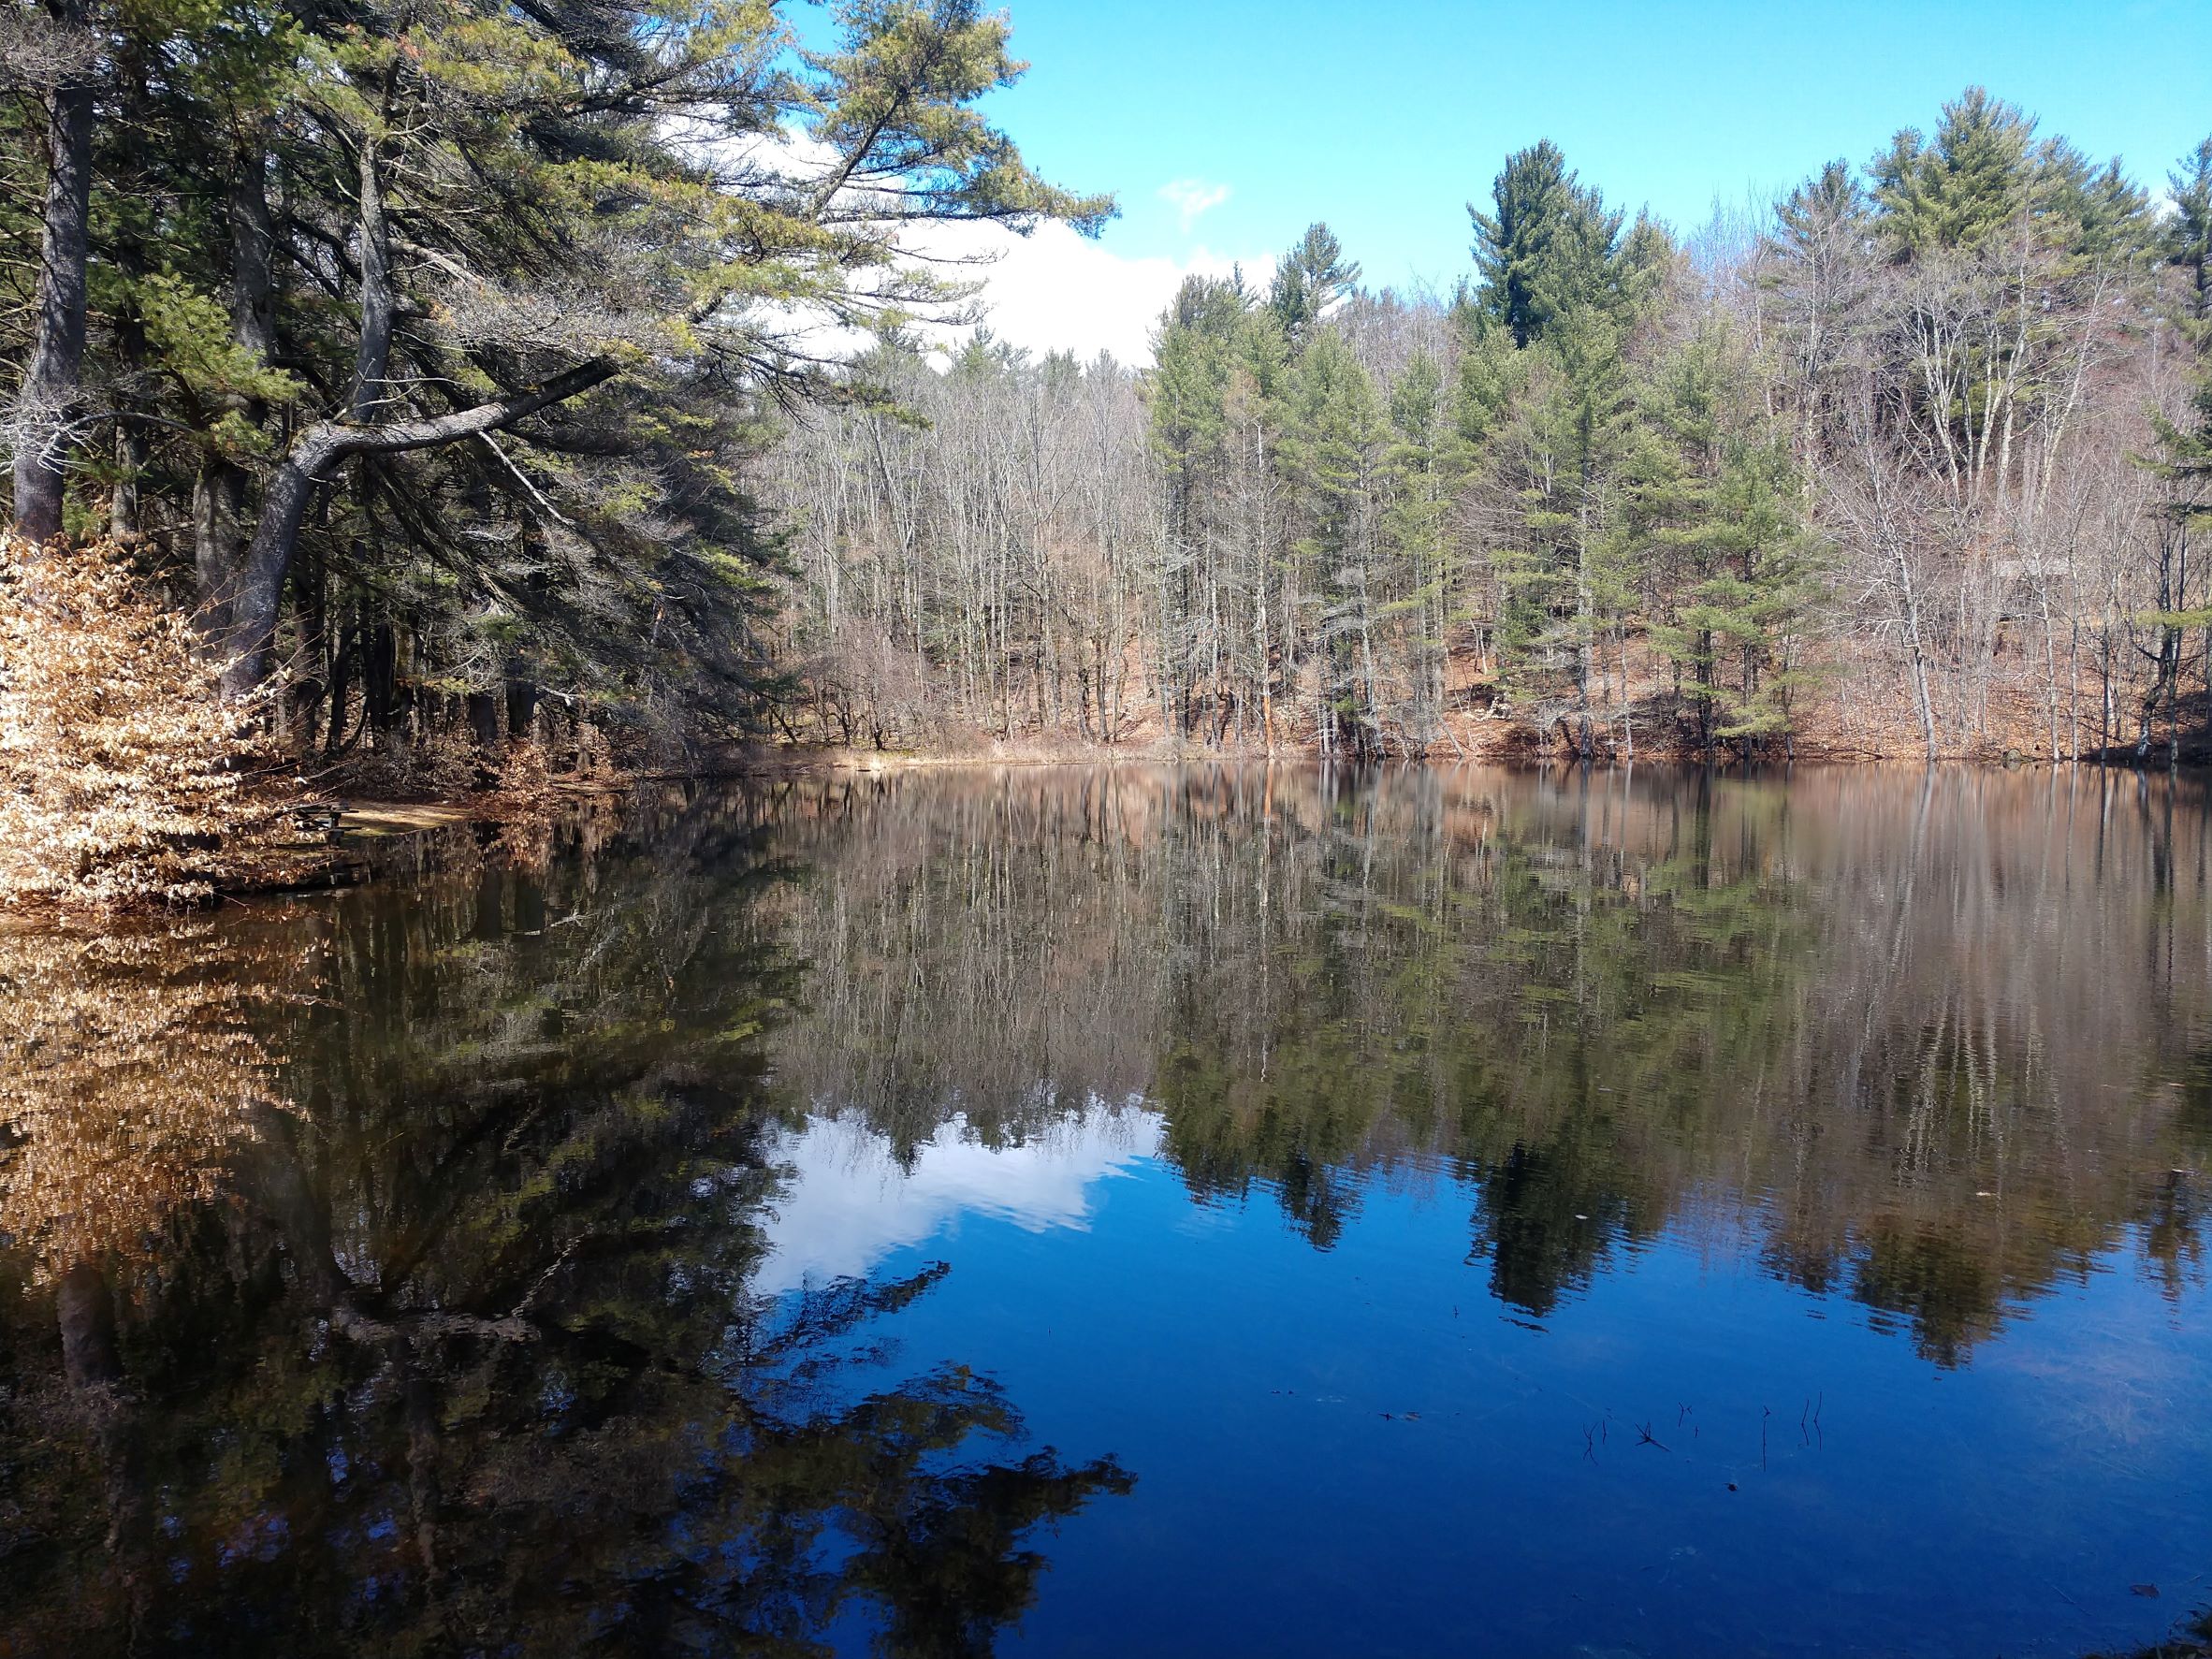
[363, 836]
[795, 759]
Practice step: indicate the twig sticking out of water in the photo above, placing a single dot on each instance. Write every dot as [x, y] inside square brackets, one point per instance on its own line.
[1645, 1437]
[1809, 1422]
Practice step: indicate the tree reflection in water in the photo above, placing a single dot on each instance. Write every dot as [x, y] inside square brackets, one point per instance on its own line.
[1933, 1040]
[436, 1337]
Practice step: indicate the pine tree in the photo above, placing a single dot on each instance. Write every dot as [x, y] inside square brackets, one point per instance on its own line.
[1817, 273]
[1424, 467]
[2188, 241]
[1548, 246]
[1563, 578]
[1717, 506]
[1330, 448]
[2182, 459]
[1314, 275]
[1956, 189]
[438, 334]
[1194, 361]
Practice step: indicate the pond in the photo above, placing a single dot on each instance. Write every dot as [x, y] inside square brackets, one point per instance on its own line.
[1137, 1211]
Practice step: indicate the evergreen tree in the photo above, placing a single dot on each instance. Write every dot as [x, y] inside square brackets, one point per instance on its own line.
[1643, 268]
[1813, 211]
[1954, 190]
[445, 326]
[1331, 446]
[1314, 275]
[2188, 241]
[1816, 266]
[1193, 357]
[1717, 508]
[1563, 576]
[1424, 467]
[2182, 458]
[1549, 245]
[1985, 175]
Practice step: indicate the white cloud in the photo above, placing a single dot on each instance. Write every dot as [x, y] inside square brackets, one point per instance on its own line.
[1055, 290]
[1191, 198]
[1051, 290]
[850, 1203]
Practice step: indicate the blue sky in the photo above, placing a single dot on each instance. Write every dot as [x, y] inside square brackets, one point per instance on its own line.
[1386, 119]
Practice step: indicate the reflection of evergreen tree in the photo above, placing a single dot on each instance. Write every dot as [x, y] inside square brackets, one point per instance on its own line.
[1545, 1219]
[1938, 1280]
[465, 1361]
[1836, 1011]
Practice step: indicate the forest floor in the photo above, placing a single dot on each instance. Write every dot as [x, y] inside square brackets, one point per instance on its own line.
[1853, 707]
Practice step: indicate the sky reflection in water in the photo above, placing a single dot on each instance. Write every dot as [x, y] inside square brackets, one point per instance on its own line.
[1362, 1450]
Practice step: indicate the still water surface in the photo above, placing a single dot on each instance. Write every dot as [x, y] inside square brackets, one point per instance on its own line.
[1137, 1212]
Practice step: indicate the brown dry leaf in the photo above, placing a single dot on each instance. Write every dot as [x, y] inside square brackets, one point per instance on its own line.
[123, 771]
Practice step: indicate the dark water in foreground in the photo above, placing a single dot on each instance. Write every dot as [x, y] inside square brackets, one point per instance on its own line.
[1137, 1213]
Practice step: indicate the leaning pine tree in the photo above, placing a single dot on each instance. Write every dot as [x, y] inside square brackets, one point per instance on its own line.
[428, 344]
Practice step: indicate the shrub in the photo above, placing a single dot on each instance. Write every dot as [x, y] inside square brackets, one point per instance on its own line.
[124, 774]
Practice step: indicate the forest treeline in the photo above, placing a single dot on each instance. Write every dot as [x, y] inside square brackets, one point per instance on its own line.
[1907, 463]
[476, 378]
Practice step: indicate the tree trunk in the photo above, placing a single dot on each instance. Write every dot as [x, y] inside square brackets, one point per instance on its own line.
[341, 668]
[484, 711]
[132, 449]
[522, 701]
[380, 675]
[51, 381]
[219, 493]
[85, 1310]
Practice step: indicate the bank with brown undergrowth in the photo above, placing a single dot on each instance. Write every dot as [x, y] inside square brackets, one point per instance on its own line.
[129, 780]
